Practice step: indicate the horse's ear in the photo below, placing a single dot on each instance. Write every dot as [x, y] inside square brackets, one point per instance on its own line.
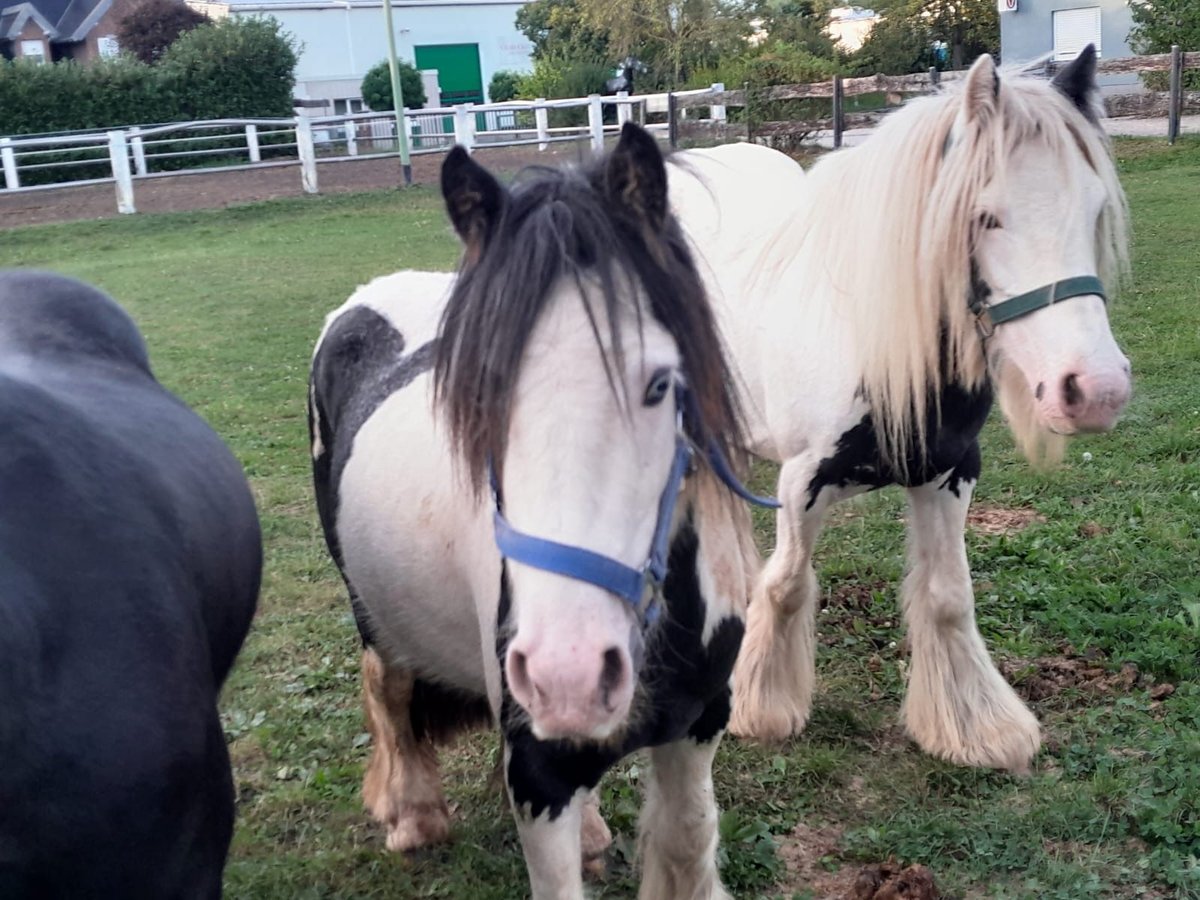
[982, 90]
[474, 199]
[636, 177]
[1077, 81]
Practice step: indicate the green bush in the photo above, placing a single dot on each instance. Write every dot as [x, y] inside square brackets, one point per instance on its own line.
[377, 87]
[233, 68]
[504, 86]
[557, 77]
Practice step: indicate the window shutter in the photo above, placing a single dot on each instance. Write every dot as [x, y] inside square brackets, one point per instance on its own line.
[1074, 29]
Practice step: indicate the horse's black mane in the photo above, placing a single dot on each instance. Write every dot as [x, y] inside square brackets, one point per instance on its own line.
[567, 223]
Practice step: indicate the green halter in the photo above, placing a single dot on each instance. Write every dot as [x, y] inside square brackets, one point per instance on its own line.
[988, 317]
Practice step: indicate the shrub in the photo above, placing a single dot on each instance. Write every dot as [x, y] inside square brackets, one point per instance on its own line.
[377, 87]
[504, 86]
[233, 68]
[153, 25]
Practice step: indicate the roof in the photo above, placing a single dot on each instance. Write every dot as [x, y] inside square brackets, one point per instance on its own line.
[64, 21]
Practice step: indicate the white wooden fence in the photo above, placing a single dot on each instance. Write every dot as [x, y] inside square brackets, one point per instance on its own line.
[138, 152]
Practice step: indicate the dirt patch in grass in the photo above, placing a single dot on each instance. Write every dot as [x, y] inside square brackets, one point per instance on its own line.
[811, 853]
[850, 609]
[1046, 677]
[891, 881]
[997, 520]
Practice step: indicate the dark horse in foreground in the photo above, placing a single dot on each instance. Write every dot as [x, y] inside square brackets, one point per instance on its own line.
[130, 560]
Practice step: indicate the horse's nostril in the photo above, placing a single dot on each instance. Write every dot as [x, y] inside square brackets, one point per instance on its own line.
[1072, 393]
[1041, 390]
[612, 674]
[518, 673]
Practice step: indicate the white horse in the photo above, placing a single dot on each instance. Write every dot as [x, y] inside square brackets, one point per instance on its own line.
[592, 599]
[871, 307]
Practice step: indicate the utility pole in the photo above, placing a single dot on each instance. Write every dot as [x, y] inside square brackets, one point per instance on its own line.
[397, 94]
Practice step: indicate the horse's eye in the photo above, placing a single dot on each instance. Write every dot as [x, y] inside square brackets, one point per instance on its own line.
[657, 389]
[989, 221]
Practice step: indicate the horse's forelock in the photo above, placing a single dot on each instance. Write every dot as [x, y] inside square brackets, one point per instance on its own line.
[558, 226]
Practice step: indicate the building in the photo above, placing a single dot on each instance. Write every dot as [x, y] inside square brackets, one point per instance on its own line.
[1032, 29]
[50, 30]
[850, 25]
[464, 41]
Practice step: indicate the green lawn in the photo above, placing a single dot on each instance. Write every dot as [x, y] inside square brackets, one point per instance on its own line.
[1108, 579]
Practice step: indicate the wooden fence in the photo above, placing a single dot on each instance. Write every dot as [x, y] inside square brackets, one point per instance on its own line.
[1146, 104]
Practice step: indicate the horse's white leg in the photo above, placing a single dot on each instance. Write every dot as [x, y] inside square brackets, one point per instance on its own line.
[402, 787]
[773, 680]
[552, 850]
[678, 827]
[957, 705]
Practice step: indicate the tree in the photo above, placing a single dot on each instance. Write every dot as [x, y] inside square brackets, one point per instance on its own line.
[671, 37]
[505, 85]
[377, 86]
[153, 25]
[559, 28]
[1157, 24]
[969, 28]
[233, 68]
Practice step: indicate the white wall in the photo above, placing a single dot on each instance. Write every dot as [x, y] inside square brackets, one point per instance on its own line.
[340, 44]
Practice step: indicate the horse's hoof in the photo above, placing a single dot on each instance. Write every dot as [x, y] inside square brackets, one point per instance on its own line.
[418, 828]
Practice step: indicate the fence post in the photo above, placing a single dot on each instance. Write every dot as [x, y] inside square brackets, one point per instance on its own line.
[351, 129]
[541, 118]
[596, 122]
[746, 102]
[408, 129]
[307, 154]
[118, 155]
[624, 108]
[252, 143]
[935, 76]
[464, 132]
[1175, 100]
[718, 110]
[672, 125]
[139, 150]
[839, 119]
[9, 160]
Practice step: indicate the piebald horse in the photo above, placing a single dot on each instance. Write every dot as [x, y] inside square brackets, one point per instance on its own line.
[130, 560]
[872, 308]
[522, 472]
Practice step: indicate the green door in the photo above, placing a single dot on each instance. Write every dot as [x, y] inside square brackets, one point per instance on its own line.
[459, 74]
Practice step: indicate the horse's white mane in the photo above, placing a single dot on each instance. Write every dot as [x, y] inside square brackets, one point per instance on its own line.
[891, 222]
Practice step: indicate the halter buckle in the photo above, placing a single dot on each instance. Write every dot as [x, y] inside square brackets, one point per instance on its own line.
[983, 322]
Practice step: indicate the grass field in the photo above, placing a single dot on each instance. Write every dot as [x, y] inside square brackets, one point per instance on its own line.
[1093, 608]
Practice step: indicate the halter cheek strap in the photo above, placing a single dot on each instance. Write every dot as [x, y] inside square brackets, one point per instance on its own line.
[604, 572]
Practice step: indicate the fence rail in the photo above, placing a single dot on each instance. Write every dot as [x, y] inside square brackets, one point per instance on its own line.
[121, 155]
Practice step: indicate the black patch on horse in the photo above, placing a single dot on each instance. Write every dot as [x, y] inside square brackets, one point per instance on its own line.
[359, 364]
[950, 441]
[683, 692]
[439, 713]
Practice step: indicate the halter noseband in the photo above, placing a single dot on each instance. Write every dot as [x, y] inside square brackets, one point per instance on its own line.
[604, 572]
[987, 317]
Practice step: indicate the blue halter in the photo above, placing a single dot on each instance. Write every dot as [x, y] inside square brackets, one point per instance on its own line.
[604, 572]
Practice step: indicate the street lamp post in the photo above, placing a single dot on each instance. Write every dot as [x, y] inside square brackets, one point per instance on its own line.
[397, 94]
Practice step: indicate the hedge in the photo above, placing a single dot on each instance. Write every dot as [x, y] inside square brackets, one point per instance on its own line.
[235, 68]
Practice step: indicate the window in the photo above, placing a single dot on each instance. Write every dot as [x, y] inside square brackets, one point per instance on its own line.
[107, 45]
[35, 50]
[1074, 29]
[347, 106]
